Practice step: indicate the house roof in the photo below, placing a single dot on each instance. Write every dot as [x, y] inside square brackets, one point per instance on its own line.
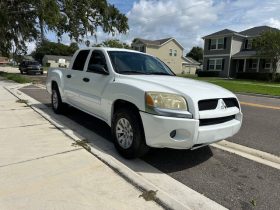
[56, 57]
[191, 60]
[221, 33]
[154, 42]
[244, 54]
[158, 42]
[256, 31]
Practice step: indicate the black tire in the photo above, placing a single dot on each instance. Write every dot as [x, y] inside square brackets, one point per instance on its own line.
[41, 72]
[138, 146]
[21, 71]
[57, 105]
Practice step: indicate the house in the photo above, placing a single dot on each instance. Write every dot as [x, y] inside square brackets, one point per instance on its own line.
[4, 60]
[56, 61]
[229, 53]
[170, 51]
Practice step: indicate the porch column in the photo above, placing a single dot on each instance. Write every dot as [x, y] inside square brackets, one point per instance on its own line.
[258, 65]
[244, 66]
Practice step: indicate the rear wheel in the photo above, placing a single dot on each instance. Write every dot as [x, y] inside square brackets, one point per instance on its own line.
[128, 133]
[57, 104]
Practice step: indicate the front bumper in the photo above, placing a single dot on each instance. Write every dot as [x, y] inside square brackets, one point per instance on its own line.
[188, 132]
[34, 70]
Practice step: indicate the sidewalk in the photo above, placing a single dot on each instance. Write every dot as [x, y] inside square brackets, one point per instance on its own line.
[41, 169]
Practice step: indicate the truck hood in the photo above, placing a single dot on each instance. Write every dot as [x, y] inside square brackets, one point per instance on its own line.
[196, 90]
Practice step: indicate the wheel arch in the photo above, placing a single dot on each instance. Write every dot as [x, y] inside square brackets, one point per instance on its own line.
[121, 103]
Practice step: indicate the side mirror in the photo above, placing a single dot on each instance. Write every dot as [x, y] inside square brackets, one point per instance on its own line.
[97, 68]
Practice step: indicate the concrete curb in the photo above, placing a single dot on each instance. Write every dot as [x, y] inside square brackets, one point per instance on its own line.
[250, 153]
[166, 198]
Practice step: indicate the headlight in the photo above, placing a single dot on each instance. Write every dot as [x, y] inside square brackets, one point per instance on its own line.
[165, 101]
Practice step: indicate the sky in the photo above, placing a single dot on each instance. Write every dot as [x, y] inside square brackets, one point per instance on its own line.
[188, 20]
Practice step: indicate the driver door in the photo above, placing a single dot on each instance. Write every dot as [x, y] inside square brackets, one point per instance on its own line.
[94, 83]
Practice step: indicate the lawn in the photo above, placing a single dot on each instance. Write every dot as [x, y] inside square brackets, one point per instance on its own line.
[15, 77]
[242, 86]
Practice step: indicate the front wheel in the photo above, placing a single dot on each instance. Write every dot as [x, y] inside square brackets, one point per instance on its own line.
[57, 104]
[128, 134]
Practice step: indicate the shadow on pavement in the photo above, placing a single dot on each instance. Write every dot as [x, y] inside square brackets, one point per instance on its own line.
[166, 160]
[171, 160]
[94, 124]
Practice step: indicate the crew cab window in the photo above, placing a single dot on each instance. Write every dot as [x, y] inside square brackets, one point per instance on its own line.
[80, 60]
[97, 58]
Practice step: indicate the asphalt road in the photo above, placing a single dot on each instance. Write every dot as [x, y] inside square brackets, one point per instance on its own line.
[233, 181]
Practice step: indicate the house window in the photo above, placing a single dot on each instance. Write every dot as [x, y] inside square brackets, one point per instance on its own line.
[175, 52]
[211, 65]
[253, 64]
[170, 52]
[139, 48]
[217, 44]
[215, 64]
[219, 63]
[220, 43]
[267, 64]
[249, 44]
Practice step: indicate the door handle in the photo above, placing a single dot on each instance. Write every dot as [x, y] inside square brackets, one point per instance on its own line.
[68, 76]
[86, 79]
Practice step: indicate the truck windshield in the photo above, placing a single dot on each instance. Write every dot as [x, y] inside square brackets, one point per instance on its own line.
[137, 63]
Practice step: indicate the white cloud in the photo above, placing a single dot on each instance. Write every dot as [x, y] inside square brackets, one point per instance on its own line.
[171, 18]
[189, 20]
[274, 23]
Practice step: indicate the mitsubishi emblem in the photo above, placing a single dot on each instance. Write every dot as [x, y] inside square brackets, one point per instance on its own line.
[221, 104]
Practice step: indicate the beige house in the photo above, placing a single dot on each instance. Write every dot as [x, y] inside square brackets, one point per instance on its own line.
[170, 51]
[4, 60]
[56, 61]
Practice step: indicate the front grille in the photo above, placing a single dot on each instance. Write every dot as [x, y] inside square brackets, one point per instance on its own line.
[207, 104]
[213, 121]
[231, 102]
[211, 104]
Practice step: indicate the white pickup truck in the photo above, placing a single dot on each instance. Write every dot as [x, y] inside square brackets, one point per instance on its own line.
[143, 102]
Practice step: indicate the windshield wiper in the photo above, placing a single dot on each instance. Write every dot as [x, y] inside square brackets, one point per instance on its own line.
[132, 72]
[161, 73]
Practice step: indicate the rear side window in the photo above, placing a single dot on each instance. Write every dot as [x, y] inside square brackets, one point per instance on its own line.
[80, 60]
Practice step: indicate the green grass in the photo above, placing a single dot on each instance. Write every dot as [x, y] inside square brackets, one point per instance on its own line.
[15, 77]
[242, 86]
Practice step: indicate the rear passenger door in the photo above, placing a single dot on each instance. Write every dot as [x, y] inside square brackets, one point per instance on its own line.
[73, 78]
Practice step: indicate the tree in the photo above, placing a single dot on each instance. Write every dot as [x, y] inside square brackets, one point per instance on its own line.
[51, 48]
[196, 53]
[27, 20]
[114, 43]
[267, 46]
[17, 26]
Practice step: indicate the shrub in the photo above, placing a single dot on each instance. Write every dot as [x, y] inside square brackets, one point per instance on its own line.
[208, 73]
[257, 76]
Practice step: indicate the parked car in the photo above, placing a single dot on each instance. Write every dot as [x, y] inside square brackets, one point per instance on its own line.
[30, 67]
[143, 101]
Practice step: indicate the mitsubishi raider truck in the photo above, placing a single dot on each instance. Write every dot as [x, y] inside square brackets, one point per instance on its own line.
[143, 101]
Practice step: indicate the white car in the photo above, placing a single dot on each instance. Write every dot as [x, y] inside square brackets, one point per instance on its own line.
[143, 102]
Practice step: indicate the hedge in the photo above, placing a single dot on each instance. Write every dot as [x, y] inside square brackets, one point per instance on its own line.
[257, 76]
